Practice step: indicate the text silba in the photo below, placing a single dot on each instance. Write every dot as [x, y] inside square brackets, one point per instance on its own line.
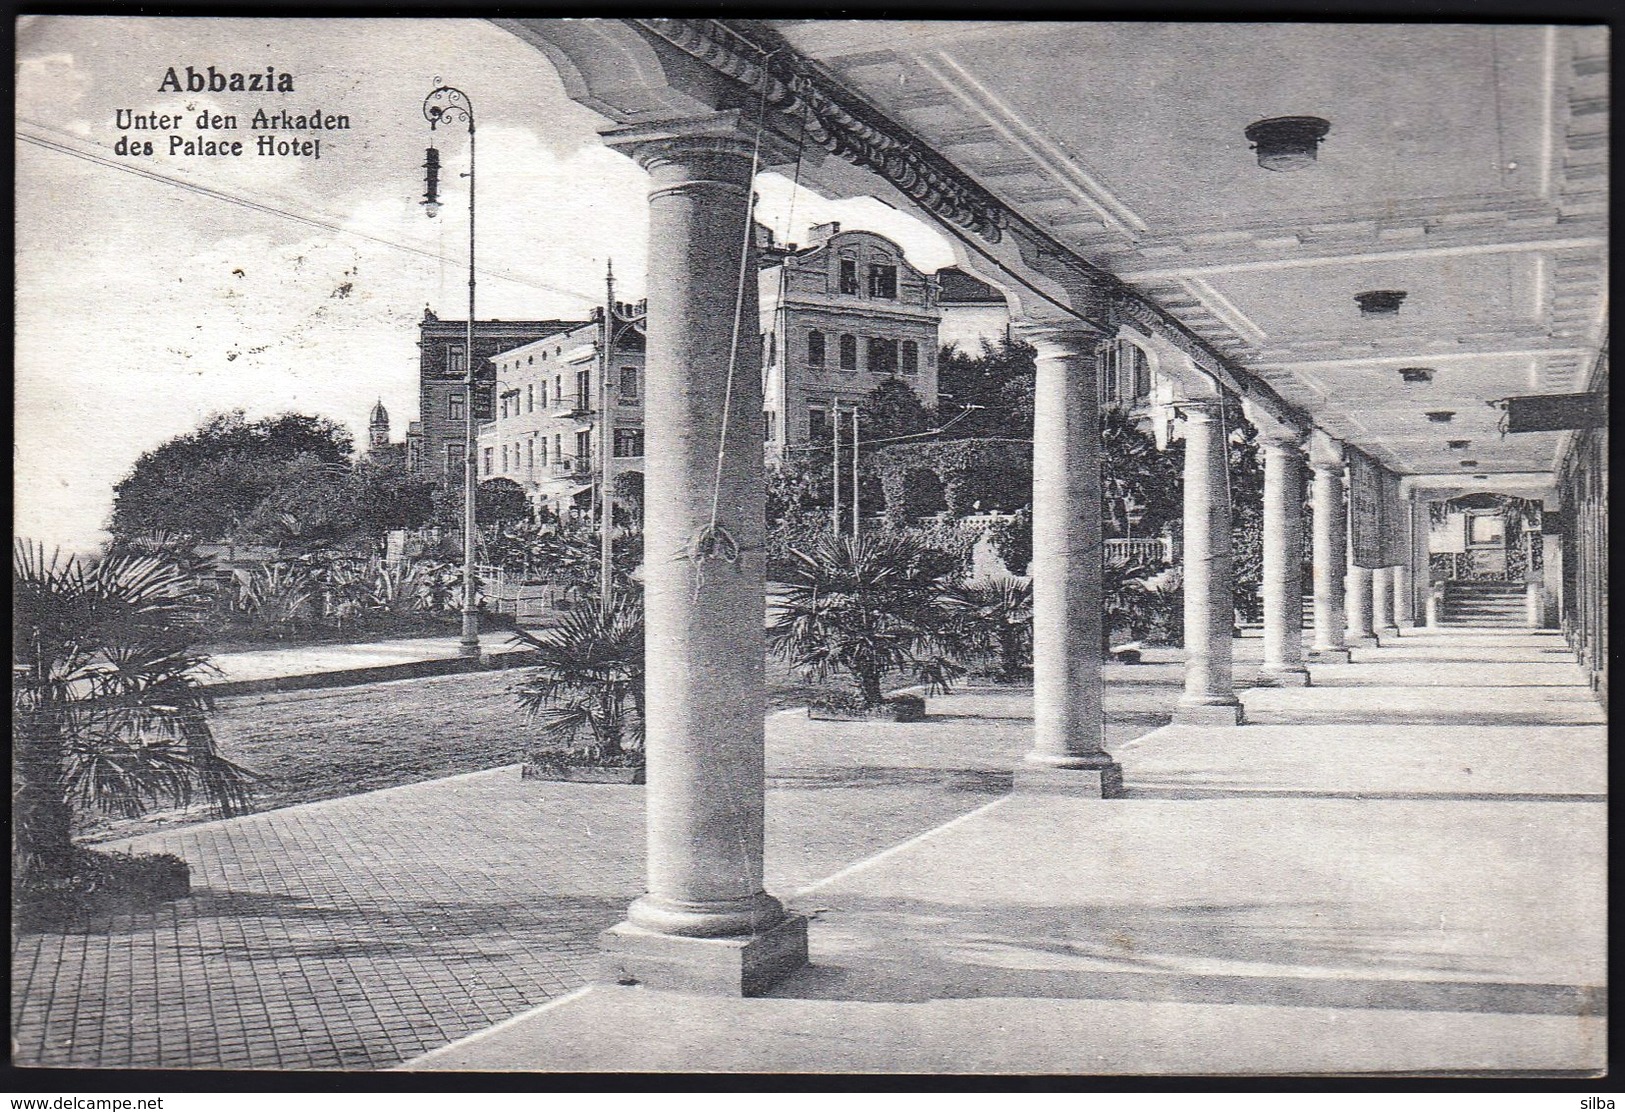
[194, 134]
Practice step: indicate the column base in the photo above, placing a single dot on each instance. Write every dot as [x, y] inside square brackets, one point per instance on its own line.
[741, 965]
[1363, 641]
[1282, 677]
[1209, 714]
[1329, 656]
[1388, 631]
[1407, 623]
[1103, 780]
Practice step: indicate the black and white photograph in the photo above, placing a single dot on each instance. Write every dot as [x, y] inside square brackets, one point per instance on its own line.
[997, 548]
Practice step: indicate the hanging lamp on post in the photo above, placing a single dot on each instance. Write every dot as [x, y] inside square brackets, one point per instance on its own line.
[448, 105]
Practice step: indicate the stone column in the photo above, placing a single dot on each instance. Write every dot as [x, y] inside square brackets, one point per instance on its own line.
[705, 924]
[1357, 596]
[1404, 597]
[1382, 602]
[1330, 557]
[1283, 566]
[1068, 641]
[1210, 697]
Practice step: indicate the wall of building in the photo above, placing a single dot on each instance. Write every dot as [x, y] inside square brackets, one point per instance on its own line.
[806, 294]
[547, 396]
[441, 378]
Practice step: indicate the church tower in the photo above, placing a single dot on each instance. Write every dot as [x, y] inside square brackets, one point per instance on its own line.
[378, 427]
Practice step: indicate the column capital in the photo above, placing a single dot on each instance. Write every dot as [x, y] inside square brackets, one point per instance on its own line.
[1285, 443]
[1060, 338]
[717, 135]
[1200, 410]
[1325, 452]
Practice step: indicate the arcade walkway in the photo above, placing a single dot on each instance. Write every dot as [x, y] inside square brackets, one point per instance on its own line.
[1399, 869]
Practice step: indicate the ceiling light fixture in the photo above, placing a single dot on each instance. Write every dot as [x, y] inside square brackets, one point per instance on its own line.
[1380, 303]
[1287, 143]
[1416, 374]
[1440, 416]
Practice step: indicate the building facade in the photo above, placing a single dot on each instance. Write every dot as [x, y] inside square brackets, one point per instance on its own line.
[549, 408]
[838, 318]
[436, 441]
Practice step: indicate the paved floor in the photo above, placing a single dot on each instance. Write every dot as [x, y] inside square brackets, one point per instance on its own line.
[361, 932]
[317, 659]
[1422, 892]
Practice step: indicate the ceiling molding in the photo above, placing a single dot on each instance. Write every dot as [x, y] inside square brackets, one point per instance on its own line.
[1563, 239]
[1060, 167]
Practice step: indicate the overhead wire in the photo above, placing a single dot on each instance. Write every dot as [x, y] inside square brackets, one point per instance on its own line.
[329, 224]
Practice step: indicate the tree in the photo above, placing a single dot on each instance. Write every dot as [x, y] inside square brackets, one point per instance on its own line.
[1246, 478]
[1137, 477]
[206, 483]
[496, 502]
[893, 409]
[996, 615]
[388, 496]
[866, 608]
[589, 675]
[106, 706]
[988, 393]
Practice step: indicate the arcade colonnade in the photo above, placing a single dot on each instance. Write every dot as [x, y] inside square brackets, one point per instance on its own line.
[706, 922]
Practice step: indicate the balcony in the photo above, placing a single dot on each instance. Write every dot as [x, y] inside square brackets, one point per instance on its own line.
[578, 466]
[571, 405]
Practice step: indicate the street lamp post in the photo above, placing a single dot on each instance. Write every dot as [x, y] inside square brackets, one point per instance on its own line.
[448, 105]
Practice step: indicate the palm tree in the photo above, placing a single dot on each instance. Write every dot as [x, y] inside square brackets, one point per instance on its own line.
[867, 608]
[997, 616]
[106, 705]
[589, 675]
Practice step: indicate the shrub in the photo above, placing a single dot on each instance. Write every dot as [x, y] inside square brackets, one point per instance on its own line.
[866, 608]
[589, 679]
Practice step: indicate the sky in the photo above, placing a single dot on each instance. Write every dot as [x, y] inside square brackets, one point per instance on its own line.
[143, 306]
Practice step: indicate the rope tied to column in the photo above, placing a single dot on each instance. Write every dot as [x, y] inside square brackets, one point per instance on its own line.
[713, 541]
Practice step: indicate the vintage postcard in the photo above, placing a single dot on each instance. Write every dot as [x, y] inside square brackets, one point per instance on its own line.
[791, 546]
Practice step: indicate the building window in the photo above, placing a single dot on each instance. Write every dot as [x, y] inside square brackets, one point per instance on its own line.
[544, 452]
[530, 454]
[455, 363]
[489, 454]
[454, 459]
[530, 399]
[911, 357]
[584, 390]
[882, 357]
[849, 353]
[883, 281]
[771, 344]
[817, 424]
[558, 448]
[583, 447]
[629, 384]
[504, 460]
[558, 389]
[628, 443]
[455, 407]
[815, 349]
[770, 421]
[849, 276]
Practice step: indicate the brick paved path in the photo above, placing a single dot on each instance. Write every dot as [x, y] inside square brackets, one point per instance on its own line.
[359, 932]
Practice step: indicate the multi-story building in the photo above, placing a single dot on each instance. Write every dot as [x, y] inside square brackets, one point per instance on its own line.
[544, 435]
[838, 318]
[436, 441]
